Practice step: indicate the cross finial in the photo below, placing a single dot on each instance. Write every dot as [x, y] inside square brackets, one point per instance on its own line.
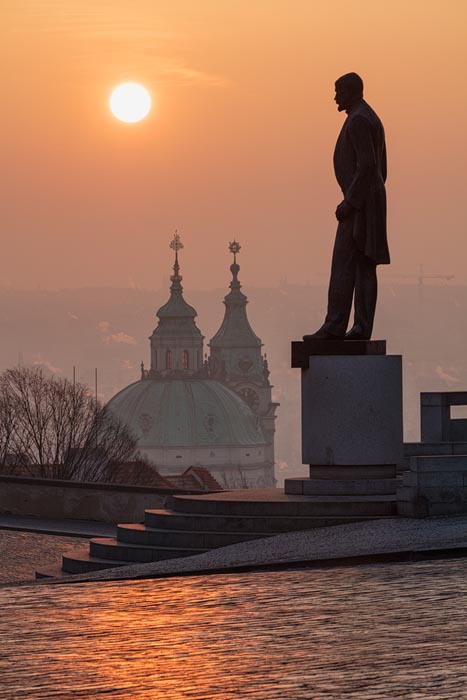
[176, 243]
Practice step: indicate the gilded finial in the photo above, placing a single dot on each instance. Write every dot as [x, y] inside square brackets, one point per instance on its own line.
[176, 242]
[176, 245]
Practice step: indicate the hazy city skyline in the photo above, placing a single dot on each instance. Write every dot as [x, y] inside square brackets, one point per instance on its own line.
[109, 329]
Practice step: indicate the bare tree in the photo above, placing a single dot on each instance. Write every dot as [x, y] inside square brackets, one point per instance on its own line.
[56, 429]
[9, 457]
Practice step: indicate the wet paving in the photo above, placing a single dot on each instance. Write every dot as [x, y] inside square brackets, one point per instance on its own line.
[369, 632]
[21, 553]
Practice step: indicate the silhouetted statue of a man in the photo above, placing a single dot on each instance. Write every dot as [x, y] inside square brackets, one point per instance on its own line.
[361, 241]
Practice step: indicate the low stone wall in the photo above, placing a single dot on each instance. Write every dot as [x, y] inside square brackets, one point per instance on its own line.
[50, 498]
[434, 485]
[424, 449]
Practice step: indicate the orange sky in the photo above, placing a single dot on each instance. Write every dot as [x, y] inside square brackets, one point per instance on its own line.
[240, 143]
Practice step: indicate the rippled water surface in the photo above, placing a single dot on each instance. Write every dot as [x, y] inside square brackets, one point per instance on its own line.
[370, 632]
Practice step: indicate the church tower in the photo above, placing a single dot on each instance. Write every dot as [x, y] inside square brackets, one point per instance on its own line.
[236, 358]
[183, 415]
[177, 342]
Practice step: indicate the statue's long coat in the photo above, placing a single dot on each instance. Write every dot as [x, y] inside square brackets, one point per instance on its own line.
[360, 167]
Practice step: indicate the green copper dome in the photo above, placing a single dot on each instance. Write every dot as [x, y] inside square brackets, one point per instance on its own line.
[185, 413]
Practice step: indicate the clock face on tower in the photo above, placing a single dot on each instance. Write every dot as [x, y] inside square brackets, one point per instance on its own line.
[250, 397]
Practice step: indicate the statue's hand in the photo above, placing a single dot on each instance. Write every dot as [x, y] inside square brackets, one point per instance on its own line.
[343, 210]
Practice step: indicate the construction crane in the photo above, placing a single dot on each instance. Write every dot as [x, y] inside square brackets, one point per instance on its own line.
[430, 275]
[422, 276]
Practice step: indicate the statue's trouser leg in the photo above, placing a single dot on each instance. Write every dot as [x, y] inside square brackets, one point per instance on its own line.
[342, 282]
[366, 292]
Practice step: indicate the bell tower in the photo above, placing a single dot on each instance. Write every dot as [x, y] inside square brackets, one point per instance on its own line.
[236, 357]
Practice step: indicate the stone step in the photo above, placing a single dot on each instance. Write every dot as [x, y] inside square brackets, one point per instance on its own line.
[303, 350]
[111, 548]
[340, 487]
[274, 524]
[50, 572]
[80, 561]
[364, 471]
[439, 463]
[144, 535]
[416, 449]
[191, 525]
[267, 502]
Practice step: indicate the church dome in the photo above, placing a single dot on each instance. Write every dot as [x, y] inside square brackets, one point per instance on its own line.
[187, 410]
[186, 413]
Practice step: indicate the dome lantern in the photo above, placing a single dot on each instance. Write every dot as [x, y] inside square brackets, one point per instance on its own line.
[176, 342]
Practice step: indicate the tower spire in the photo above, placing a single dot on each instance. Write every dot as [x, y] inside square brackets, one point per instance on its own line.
[236, 358]
[234, 247]
[176, 343]
[235, 348]
[176, 279]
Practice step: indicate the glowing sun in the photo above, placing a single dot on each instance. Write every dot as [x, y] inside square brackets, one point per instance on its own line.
[130, 102]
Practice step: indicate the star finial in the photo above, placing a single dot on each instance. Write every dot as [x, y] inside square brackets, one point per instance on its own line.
[234, 247]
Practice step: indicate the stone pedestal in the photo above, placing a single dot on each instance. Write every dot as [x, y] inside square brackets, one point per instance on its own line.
[352, 410]
[352, 432]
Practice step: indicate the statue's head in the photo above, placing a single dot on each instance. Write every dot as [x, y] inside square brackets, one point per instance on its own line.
[349, 90]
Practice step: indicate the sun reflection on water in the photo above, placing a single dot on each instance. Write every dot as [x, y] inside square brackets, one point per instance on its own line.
[357, 632]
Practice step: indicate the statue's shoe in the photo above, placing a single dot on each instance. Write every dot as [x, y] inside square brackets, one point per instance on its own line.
[322, 334]
[356, 334]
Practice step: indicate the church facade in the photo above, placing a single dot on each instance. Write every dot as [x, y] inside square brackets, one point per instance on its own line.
[192, 409]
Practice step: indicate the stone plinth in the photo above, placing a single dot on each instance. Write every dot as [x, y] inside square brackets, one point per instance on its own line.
[435, 416]
[351, 404]
[340, 487]
[435, 485]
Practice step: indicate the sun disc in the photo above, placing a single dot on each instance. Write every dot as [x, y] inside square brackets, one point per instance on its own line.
[130, 102]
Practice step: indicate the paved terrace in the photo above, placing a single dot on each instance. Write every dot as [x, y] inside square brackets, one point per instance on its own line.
[51, 526]
[391, 539]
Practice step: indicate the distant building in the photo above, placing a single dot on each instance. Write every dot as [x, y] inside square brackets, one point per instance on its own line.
[191, 410]
[192, 479]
